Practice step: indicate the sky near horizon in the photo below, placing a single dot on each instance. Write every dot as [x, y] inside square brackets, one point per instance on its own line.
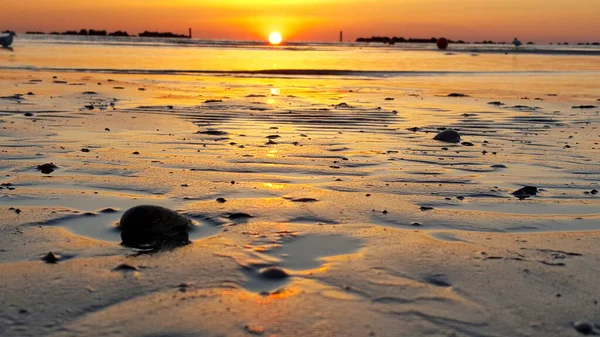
[317, 20]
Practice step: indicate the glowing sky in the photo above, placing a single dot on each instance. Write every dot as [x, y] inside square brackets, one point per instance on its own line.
[317, 20]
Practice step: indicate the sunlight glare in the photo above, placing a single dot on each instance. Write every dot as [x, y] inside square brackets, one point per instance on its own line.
[275, 38]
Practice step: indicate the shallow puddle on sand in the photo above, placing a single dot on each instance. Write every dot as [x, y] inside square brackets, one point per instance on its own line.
[526, 207]
[87, 219]
[299, 255]
[307, 252]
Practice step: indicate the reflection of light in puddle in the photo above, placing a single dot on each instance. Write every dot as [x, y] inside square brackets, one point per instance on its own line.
[274, 186]
[275, 91]
[270, 101]
[272, 153]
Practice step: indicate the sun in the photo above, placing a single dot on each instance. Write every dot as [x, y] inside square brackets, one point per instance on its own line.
[275, 38]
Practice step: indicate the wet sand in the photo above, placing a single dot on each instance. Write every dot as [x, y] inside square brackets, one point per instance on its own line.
[382, 230]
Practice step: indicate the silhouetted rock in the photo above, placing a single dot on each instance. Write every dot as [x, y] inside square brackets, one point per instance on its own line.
[449, 136]
[274, 273]
[149, 226]
[47, 168]
[525, 192]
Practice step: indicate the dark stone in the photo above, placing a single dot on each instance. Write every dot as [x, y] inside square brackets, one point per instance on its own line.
[454, 94]
[584, 328]
[213, 101]
[239, 216]
[126, 267]
[304, 200]
[85, 150]
[108, 210]
[416, 224]
[50, 258]
[496, 103]
[426, 208]
[449, 136]
[149, 226]
[594, 191]
[274, 273]
[584, 107]
[467, 144]
[28, 114]
[47, 168]
[135, 153]
[273, 136]
[525, 192]
[221, 200]
[212, 133]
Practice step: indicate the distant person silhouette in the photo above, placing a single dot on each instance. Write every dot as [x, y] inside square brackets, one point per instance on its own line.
[517, 43]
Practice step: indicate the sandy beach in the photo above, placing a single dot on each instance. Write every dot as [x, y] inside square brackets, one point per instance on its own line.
[335, 178]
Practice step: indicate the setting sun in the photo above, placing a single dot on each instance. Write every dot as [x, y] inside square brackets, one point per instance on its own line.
[275, 38]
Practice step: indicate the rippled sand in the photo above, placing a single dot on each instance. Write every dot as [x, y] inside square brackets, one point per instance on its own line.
[384, 231]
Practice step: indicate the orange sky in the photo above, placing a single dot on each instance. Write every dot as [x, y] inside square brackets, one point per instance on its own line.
[318, 20]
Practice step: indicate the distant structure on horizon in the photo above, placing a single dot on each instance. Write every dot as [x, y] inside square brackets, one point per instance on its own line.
[341, 36]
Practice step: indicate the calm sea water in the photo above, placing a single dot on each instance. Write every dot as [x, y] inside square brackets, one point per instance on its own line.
[137, 55]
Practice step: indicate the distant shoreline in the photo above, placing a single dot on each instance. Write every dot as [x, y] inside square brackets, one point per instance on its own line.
[433, 40]
[92, 32]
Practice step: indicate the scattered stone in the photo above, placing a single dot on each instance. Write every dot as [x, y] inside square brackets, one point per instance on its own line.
[107, 129]
[455, 94]
[304, 200]
[213, 101]
[90, 93]
[89, 107]
[460, 197]
[584, 107]
[85, 150]
[426, 208]
[414, 129]
[274, 273]
[154, 226]
[142, 89]
[416, 224]
[108, 210]
[449, 136]
[47, 168]
[135, 153]
[583, 327]
[126, 267]
[212, 133]
[28, 114]
[496, 103]
[273, 136]
[50, 258]
[467, 144]
[343, 105]
[525, 192]
[221, 200]
[389, 99]
[239, 216]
